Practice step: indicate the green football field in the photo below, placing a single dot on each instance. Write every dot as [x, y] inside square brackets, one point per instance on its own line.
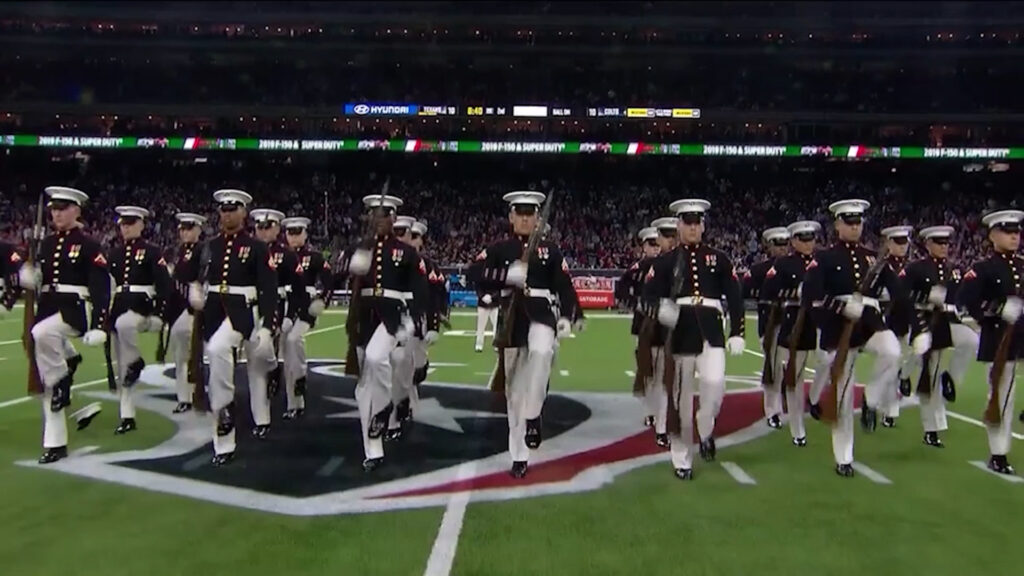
[764, 505]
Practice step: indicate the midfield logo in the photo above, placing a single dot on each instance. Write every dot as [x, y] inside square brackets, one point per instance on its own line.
[458, 442]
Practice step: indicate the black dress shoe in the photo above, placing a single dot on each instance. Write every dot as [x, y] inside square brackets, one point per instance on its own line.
[774, 422]
[293, 414]
[1021, 417]
[274, 381]
[127, 425]
[133, 373]
[684, 473]
[379, 422]
[905, 388]
[420, 374]
[801, 441]
[518, 469]
[182, 407]
[225, 421]
[844, 470]
[261, 431]
[51, 455]
[86, 415]
[403, 411]
[997, 463]
[649, 422]
[393, 434]
[815, 410]
[73, 363]
[707, 449]
[888, 422]
[948, 388]
[61, 394]
[300, 386]
[662, 440]
[371, 464]
[223, 459]
[533, 435]
[932, 439]
[868, 418]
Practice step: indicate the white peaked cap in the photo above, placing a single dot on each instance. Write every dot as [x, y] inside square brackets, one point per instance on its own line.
[777, 233]
[136, 211]
[803, 227]
[897, 231]
[374, 200]
[689, 206]
[666, 222]
[232, 196]
[853, 206]
[72, 195]
[524, 197]
[296, 222]
[1003, 217]
[420, 227]
[648, 233]
[937, 232]
[190, 217]
[267, 215]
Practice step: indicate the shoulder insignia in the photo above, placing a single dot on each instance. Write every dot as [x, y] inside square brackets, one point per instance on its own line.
[770, 273]
[15, 257]
[565, 266]
[650, 273]
[272, 262]
[812, 264]
[422, 267]
[903, 273]
[482, 255]
[161, 262]
[99, 260]
[970, 274]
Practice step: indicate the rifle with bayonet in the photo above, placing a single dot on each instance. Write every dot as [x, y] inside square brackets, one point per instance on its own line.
[355, 301]
[35, 383]
[200, 396]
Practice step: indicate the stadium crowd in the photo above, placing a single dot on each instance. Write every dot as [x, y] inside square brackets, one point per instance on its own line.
[600, 203]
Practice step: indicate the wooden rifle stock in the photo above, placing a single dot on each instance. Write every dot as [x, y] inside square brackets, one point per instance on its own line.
[644, 359]
[161, 342]
[35, 382]
[668, 379]
[770, 335]
[355, 301]
[200, 396]
[789, 375]
[924, 381]
[993, 410]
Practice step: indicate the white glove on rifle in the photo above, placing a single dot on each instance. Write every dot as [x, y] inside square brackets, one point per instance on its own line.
[937, 295]
[94, 337]
[487, 299]
[579, 325]
[735, 345]
[151, 324]
[922, 343]
[264, 340]
[1011, 310]
[853, 310]
[286, 325]
[301, 327]
[405, 330]
[516, 274]
[316, 307]
[196, 298]
[563, 327]
[30, 277]
[668, 313]
[359, 263]
[430, 337]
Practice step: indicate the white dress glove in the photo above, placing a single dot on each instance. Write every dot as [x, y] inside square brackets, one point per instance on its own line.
[359, 263]
[735, 345]
[94, 338]
[264, 343]
[405, 330]
[301, 327]
[430, 337]
[1011, 310]
[668, 313]
[487, 299]
[30, 277]
[151, 324]
[316, 307]
[196, 298]
[286, 325]
[922, 343]
[579, 325]
[937, 295]
[516, 274]
[853, 310]
[563, 327]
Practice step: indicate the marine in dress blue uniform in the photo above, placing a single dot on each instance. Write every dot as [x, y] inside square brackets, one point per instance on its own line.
[775, 241]
[177, 312]
[897, 319]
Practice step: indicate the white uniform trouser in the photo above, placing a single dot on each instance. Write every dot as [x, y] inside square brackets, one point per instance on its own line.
[402, 367]
[711, 365]
[482, 316]
[125, 345]
[527, 371]
[293, 351]
[822, 362]
[179, 342]
[794, 396]
[773, 393]
[886, 349]
[1000, 437]
[373, 391]
[52, 339]
[222, 379]
[908, 364]
[655, 396]
[419, 353]
[933, 406]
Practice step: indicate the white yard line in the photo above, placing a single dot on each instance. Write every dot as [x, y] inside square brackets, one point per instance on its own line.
[631, 373]
[978, 423]
[442, 555]
[563, 372]
[331, 466]
[327, 329]
[17, 401]
[738, 474]
[84, 450]
[870, 474]
[9, 342]
[984, 468]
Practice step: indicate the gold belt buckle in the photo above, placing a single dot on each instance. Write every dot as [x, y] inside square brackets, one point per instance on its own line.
[223, 289]
[698, 300]
[378, 291]
[526, 291]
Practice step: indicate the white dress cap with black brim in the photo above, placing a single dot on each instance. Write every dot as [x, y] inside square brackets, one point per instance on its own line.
[404, 222]
[66, 194]
[689, 206]
[665, 223]
[524, 198]
[649, 233]
[191, 218]
[132, 212]
[266, 215]
[1004, 219]
[382, 200]
[897, 231]
[851, 207]
[937, 232]
[419, 227]
[232, 197]
[776, 233]
[803, 227]
[296, 223]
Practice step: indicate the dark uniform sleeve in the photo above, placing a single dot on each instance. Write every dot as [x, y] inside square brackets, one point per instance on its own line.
[10, 263]
[734, 297]
[99, 285]
[420, 308]
[657, 282]
[973, 288]
[627, 288]
[161, 279]
[561, 282]
[775, 281]
[493, 270]
[322, 266]
[438, 299]
[899, 294]
[814, 282]
[299, 300]
[266, 284]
